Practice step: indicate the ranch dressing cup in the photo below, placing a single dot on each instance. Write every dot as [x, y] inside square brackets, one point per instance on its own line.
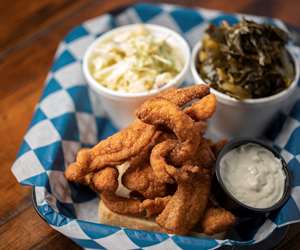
[250, 117]
[251, 178]
[120, 106]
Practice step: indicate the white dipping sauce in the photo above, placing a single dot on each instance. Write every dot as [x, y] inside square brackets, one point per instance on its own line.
[253, 175]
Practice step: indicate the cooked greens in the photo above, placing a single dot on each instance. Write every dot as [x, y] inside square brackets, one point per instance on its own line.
[246, 60]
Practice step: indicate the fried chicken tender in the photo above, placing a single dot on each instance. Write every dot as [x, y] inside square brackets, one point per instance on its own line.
[204, 155]
[158, 111]
[122, 145]
[112, 151]
[77, 170]
[106, 180]
[217, 220]
[203, 108]
[184, 95]
[186, 206]
[155, 206]
[122, 205]
[168, 173]
[128, 206]
[136, 170]
[128, 142]
[144, 181]
[158, 162]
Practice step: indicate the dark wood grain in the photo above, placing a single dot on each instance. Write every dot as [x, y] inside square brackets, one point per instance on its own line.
[26, 18]
[29, 34]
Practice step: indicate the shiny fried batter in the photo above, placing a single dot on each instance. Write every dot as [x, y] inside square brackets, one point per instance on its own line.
[155, 206]
[167, 173]
[121, 205]
[204, 156]
[158, 161]
[203, 108]
[186, 172]
[122, 145]
[134, 207]
[162, 150]
[217, 220]
[77, 170]
[143, 156]
[158, 111]
[112, 151]
[106, 180]
[184, 95]
[144, 181]
[186, 206]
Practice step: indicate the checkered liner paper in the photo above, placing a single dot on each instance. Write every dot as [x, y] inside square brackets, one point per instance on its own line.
[67, 118]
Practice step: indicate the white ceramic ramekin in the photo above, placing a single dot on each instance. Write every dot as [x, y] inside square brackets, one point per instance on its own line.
[234, 118]
[119, 106]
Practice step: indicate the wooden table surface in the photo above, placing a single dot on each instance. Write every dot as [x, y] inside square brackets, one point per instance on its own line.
[29, 34]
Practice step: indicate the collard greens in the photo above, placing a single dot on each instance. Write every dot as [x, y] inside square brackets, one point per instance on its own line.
[247, 60]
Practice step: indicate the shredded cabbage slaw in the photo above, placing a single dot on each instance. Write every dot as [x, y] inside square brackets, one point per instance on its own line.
[134, 61]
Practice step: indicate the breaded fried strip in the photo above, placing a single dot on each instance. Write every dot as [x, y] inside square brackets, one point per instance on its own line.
[203, 108]
[77, 170]
[112, 151]
[186, 206]
[204, 156]
[184, 95]
[217, 220]
[134, 207]
[158, 162]
[168, 173]
[121, 205]
[156, 206]
[144, 181]
[106, 180]
[158, 111]
[122, 145]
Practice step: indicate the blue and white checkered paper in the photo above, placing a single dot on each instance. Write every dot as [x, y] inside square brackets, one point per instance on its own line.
[68, 117]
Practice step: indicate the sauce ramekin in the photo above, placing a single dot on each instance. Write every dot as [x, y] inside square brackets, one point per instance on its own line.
[120, 106]
[248, 117]
[228, 201]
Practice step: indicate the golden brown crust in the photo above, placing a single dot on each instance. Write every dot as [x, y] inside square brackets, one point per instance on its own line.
[184, 95]
[106, 216]
[217, 220]
[121, 205]
[204, 155]
[158, 161]
[106, 180]
[144, 181]
[122, 146]
[155, 206]
[203, 108]
[163, 151]
[77, 170]
[186, 206]
[158, 111]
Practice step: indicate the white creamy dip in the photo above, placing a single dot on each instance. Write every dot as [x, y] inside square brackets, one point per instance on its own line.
[253, 175]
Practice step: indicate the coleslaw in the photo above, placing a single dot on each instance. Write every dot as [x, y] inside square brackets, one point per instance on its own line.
[134, 61]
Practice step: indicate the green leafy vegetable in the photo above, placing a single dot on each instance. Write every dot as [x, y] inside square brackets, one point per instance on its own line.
[247, 60]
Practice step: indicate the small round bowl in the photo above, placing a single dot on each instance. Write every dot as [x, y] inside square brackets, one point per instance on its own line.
[250, 117]
[120, 106]
[228, 201]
